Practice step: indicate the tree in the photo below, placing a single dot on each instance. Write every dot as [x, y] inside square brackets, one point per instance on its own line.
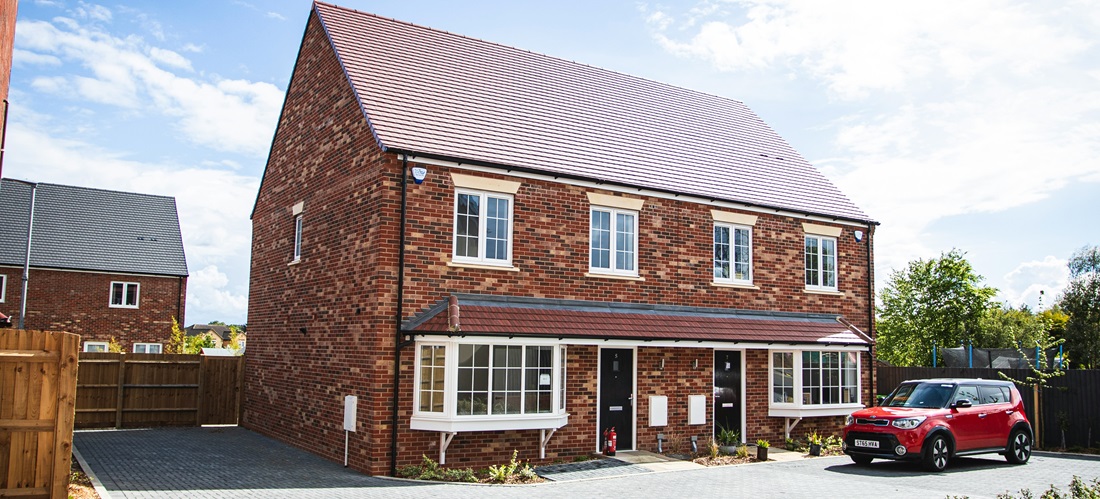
[1007, 327]
[1081, 301]
[938, 300]
[177, 341]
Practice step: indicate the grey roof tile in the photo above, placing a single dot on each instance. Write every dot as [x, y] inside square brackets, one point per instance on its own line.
[91, 229]
[437, 93]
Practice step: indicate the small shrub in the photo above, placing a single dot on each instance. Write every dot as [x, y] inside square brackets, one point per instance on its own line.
[430, 470]
[581, 458]
[790, 444]
[457, 475]
[712, 448]
[763, 443]
[742, 451]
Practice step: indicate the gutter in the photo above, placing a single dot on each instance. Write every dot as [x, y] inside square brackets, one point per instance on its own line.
[871, 310]
[27, 259]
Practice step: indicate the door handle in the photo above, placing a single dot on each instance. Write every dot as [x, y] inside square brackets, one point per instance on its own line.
[1009, 412]
[982, 416]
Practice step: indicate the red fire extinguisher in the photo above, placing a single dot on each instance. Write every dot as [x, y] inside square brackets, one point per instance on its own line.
[610, 442]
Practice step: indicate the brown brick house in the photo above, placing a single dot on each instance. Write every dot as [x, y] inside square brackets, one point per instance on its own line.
[103, 264]
[543, 250]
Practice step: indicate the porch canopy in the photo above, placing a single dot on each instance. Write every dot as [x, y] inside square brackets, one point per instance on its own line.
[494, 315]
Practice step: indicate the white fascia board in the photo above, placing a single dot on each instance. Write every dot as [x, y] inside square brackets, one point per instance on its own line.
[720, 345]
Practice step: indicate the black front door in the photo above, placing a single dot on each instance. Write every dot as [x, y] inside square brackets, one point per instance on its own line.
[727, 390]
[617, 395]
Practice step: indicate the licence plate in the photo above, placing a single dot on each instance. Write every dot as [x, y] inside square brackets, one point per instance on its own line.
[872, 444]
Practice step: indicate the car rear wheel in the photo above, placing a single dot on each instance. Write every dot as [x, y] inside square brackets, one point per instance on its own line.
[861, 460]
[936, 453]
[1019, 447]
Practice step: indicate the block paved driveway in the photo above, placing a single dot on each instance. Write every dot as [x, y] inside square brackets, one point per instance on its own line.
[232, 462]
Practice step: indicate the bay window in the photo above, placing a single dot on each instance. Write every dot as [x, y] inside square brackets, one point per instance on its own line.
[471, 385]
[814, 382]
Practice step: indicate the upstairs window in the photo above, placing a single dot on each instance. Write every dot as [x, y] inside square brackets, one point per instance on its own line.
[297, 238]
[124, 294]
[614, 241]
[483, 228]
[732, 254]
[820, 263]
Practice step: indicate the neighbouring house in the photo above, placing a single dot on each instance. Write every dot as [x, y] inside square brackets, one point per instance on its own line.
[106, 265]
[494, 249]
[221, 335]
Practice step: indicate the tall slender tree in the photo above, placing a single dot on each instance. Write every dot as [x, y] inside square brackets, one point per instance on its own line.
[1081, 300]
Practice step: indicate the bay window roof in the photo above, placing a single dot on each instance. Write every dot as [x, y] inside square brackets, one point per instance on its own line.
[492, 315]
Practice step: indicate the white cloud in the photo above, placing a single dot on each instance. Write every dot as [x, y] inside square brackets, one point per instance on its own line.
[206, 291]
[169, 58]
[27, 58]
[93, 12]
[1037, 281]
[191, 47]
[275, 15]
[227, 115]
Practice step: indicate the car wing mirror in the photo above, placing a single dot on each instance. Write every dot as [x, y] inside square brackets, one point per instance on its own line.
[962, 404]
[879, 399]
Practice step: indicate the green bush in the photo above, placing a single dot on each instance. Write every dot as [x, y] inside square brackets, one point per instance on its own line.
[430, 470]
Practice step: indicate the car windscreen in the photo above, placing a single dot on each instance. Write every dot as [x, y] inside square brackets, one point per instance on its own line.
[920, 395]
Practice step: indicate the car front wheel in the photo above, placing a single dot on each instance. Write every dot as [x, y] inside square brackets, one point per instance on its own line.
[936, 454]
[1019, 447]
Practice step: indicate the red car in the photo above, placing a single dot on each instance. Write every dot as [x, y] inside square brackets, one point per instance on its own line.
[934, 420]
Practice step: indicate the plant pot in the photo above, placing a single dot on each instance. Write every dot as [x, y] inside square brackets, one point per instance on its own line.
[815, 449]
[728, 450]
[761, 453]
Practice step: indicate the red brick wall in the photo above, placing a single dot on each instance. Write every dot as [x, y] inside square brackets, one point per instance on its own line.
[77, 302]
[324, 327]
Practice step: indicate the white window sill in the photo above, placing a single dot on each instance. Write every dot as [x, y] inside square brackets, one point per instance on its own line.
[133, 307]
[294, 262]
[823, 292]
[736, 285]
[482, 266]
[806, 411]
[615, 276]
[487, 423]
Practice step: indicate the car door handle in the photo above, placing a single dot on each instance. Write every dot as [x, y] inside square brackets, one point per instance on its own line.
[982, 416]
[1009, 412]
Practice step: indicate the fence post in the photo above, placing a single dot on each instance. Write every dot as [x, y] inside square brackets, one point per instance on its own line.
[68, 363]
[121, 385]
[201, 395]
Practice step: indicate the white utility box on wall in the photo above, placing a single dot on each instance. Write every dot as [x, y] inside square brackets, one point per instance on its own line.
[697, 409]
[658, 410]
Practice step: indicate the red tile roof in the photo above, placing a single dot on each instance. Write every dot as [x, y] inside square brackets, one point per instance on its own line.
[445, 95]
[495, 315]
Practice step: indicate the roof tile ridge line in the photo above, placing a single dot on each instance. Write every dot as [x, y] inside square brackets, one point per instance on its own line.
[858, 331]
[344, 68]
[425, 316]
[532, 52]
[97, 189]
[512, 301]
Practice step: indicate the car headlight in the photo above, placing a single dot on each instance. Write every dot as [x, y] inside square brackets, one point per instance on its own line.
[849, 420]
[908, 423]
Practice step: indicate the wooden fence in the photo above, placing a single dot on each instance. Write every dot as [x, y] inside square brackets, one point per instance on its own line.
[37, 397]
[146, 390]
[1068, 415]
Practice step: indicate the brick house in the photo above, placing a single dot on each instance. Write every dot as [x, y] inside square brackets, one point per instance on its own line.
[495, 249]
[103, 264]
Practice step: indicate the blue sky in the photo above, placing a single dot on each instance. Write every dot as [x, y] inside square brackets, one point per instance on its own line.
[970, 125]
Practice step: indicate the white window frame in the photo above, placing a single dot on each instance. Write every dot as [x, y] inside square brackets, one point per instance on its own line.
[450, 421]
[483, 227]
[821, 260]
[3, 287]
[125, 292]
[298, 225]
[732, 230]
[101, 344]
[159, 347]
[797, 407]
[613, 242]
